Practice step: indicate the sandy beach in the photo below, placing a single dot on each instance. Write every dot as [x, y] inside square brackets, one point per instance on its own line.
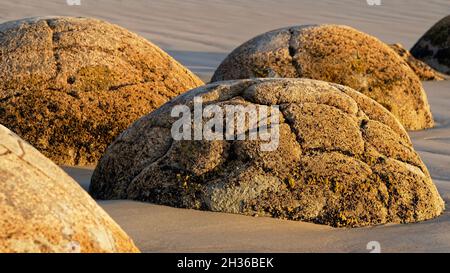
[200, 34]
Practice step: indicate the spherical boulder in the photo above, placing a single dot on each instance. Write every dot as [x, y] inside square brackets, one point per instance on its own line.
[42, 209]
[337, 54]
[69, 86]
[434, 46]
[422, 70]
[340, 158]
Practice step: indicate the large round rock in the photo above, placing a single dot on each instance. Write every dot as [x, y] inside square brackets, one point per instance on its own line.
[434, 46]
[338, 54]
[69, 86]
[43, 210]
[341, 159]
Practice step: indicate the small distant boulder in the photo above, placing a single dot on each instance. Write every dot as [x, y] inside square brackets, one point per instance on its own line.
[422, 70]
[337, 54]
[434, 46]
[341, 159]
[42, 209]
[69, 85]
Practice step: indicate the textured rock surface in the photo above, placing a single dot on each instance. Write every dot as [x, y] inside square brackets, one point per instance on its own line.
[69, 86]
[422, 70]
[342, 160]
[434, 46]
[43, 210]
[336, 54]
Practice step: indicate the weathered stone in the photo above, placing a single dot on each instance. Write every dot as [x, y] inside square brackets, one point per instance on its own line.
[42, 209]
[434, 46]
[337, 54]
[422, 70]
[69, 86]
[342, 159]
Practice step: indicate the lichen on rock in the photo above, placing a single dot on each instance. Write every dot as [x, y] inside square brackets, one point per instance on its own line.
[434, 46]
[342, 159]
[69, 85]
[337, 54]
[422, 70]
[42, 209]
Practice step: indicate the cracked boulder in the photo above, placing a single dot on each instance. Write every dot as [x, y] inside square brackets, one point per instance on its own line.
[69, 86]
[422, 70]
[434, 46]
[42, 209]
[337, 54]
[341, 159]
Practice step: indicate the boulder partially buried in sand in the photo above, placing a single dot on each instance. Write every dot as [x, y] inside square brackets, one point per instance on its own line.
[422, 70]
[341, 159]
[434, 46]
[69, 86]
[43, 210]
[338, 54]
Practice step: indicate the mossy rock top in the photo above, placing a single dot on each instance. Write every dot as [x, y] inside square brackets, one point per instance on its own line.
[42, 209]
[342, 159]
[69, 85]
[434, 46]
[338, 54]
